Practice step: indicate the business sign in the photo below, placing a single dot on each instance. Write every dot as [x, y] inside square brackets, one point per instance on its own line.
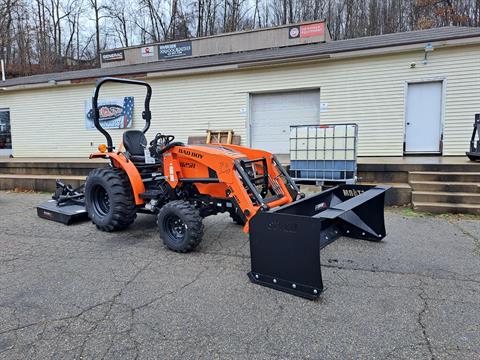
[116, 55]
[148, 51]
[114, 113]
[306, 31]
[310, 30]
[294, 32]
[170, 51]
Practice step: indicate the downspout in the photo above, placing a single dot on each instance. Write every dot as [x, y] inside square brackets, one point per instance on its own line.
[2, 65]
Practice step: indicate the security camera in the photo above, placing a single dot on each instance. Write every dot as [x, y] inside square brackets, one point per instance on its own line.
[413, 65]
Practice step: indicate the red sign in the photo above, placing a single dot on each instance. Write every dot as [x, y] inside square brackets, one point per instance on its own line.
[311, 30]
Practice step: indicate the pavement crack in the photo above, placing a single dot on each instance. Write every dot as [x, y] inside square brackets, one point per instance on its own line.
[111, 303]
[386, 271]
[421, 322]
[148, 303]
[476, 239]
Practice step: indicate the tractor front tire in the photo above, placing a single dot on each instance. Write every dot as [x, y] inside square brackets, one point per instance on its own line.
[109, 199]
[180, 226]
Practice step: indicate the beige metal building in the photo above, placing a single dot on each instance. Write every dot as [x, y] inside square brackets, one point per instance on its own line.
[409, 93]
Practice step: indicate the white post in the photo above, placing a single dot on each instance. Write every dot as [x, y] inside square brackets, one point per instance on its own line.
[2, 65]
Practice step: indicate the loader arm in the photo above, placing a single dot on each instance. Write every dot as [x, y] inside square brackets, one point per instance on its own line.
[252, 180]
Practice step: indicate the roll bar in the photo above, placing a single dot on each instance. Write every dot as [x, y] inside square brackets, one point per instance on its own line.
[146, 114]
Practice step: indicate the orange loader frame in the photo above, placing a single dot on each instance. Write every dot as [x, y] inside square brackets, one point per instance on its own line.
[196, 164]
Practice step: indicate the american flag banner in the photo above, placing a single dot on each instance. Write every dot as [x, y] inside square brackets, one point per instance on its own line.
[114, 113]
[127, 112]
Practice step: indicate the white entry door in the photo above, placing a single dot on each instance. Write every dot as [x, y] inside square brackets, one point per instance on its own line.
[272, 114]
[423, 122]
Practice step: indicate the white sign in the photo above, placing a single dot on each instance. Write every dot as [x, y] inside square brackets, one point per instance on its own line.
[323, 107]
[148, 158]
[148, 51]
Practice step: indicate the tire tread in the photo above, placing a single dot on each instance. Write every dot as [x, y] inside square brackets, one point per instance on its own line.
[122, 196]
[193, 220]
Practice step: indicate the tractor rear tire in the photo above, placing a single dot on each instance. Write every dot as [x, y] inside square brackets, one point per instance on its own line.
[109, 199]
[180, 226]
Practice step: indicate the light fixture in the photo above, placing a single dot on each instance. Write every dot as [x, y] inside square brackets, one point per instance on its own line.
[428, 48]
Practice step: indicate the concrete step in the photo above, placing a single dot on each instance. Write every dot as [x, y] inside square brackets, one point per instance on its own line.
[380, 176]
[445, 197]
[441, 208]
[444, 176]
[37, 182]
[469, 187]
[460, 164]
[50, 167]
[398, 194]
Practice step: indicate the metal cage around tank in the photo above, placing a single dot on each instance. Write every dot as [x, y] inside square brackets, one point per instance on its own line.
[324, 153]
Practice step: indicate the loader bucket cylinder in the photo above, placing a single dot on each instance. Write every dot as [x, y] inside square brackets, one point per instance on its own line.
[285, 242]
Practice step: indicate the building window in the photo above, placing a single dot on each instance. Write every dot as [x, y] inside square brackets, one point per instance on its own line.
[5, 135]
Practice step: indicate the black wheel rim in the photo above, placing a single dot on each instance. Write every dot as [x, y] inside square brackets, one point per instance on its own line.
[100, 200]
[175, 227]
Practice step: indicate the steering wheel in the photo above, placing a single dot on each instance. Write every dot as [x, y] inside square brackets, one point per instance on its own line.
[159, 144]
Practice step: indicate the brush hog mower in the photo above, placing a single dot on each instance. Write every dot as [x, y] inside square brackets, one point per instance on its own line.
[181, 184]
[66, 206]
[474, 153]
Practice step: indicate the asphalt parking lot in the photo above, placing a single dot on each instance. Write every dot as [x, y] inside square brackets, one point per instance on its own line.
[75, 292]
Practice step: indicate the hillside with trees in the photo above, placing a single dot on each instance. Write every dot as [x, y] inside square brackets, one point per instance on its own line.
[39, 36]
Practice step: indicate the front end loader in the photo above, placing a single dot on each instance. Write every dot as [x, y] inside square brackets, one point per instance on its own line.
[181, 184]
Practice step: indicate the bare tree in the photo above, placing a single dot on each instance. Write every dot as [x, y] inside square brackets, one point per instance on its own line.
[57, 35]
[97, 9]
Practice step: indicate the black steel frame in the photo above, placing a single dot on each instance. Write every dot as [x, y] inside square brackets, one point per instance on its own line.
[146, 114]
[474, 153]
[259, 198]
[285, 242]
[67, 195]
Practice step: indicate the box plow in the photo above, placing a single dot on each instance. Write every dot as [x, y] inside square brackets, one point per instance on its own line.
[285, 243]
[182, 184]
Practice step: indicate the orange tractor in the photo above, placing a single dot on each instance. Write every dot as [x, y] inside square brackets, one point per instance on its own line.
[181, 184]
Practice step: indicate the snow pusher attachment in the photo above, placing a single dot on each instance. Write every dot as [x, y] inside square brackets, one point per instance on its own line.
[285, 242]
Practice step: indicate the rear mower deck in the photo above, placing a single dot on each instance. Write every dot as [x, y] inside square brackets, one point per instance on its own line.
[65, 214]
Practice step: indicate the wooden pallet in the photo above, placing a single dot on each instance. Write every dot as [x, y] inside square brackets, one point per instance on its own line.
[219, 136]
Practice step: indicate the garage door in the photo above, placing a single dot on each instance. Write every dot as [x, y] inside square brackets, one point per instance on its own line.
[272, 115]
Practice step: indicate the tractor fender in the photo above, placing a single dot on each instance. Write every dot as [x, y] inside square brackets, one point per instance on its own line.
[120, 161]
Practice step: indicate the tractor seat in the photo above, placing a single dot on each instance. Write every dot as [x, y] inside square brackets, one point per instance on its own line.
[135, 143]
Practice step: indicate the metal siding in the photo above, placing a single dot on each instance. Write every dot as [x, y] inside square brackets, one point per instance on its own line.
[369, 91]
[272, 115]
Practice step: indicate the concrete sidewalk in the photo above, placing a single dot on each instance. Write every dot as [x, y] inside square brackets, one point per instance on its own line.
[75, 292]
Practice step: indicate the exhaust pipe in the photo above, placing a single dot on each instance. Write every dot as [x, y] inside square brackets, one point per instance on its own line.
[285, 242]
